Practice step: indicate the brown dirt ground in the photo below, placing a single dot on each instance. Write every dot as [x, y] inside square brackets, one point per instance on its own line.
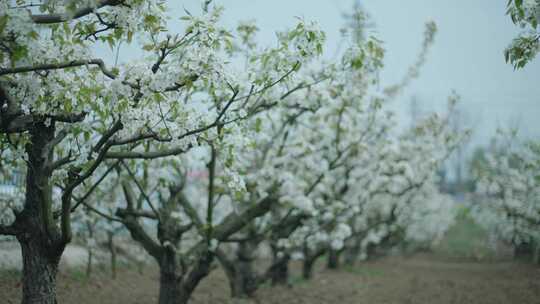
[419, 279]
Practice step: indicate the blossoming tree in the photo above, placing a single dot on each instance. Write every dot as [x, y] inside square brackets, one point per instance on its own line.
[190, 154]
[525, 47]
[508, 188]
[64, 115]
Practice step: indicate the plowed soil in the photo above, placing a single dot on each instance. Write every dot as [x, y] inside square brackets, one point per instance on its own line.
[419, 279]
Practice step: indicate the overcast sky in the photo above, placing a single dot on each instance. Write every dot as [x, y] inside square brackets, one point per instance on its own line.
[467, 55]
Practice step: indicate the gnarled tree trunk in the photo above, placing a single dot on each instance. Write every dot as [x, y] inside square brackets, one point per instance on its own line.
[41, 242]
[243, 280]
[176, 284]
[170, 290]
[309, 262]
[40, 266]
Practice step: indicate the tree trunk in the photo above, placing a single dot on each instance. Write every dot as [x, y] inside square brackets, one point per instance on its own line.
[89, 263]
[90, 249]
[307, 267]
[170, 291]
[352, 252]
[112, 251]
[279, 270]
[371, 251]
[175, 286]
[39, 273]
[333, 259]
[179, 274]
[41, 242]
[244, 281]
[310, 257]
[280, 273]
[523, 251]
[536, 252]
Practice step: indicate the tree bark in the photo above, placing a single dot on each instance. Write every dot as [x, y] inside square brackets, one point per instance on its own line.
[279, 270]
[41, 242]
[523, 251]
[112, 251]
[40, 267]
[244, 283]
[193, 277]
[170, 291]
[333, 259]
[243, 280]
[536, 252]
[307, 267]
[90, 250]
[310, 257]
[89, 263]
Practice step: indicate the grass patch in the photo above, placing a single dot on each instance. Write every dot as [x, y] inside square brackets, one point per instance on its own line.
[465, 240]
[297, 280]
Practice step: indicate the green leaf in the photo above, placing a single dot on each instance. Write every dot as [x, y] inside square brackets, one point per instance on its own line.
[258, 124]
[3, 22]
[66, 27]
[67, 106]
[19, 52]
[33, 34]
[118, 32]
[148, 47]
[111, 42]
[158, 97]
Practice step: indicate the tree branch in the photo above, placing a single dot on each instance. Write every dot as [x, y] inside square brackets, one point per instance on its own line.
[94, 186]
[58, 66]
[234, 222]
[141, 189]
[145, 155]
[136, 230]
[122, 213]
[81, 12]
[8, 230]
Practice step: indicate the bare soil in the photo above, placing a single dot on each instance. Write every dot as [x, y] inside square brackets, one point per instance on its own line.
[422, 278]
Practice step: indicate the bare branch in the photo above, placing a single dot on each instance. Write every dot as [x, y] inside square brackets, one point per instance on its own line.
[141, 189]
[94, 186]
[122, 213]
[137, 231]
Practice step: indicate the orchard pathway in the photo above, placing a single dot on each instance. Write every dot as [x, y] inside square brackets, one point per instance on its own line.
[420, 279]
